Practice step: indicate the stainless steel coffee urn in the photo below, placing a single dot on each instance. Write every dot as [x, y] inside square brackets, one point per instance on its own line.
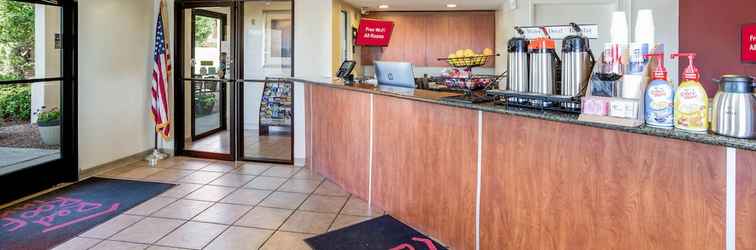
[577, 63]
[517, 67]
[734, 107]
[544, 63]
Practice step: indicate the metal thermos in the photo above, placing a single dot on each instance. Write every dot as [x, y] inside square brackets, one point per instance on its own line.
[543, 66]
[517, 66]
[734, 107]
[577, 64]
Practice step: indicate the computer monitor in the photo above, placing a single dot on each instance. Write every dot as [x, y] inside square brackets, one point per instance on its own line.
[397, 74]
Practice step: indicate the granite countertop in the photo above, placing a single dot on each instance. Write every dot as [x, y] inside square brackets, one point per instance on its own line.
[437, 98]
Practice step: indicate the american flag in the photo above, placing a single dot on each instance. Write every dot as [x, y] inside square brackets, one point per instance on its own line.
[160, 74]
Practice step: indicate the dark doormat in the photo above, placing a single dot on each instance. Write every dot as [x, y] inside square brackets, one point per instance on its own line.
[382, 233]
[53, 218]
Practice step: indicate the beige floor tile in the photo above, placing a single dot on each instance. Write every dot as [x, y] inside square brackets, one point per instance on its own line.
[222, 167]
[232, 180]
[287, 241]
[246, 196]
[344, 220]
[201, 177]
[281, 171]
[306, 174]
[359, 207]
[169, 174]
[299, 186]
[210, 193]
[163, 248]
[183, 209]
[323, 204]
[151, 206]
[148, 230]
[117, 245]
[140, 172]
[112, 226]
[240, 238]
[118, 171]
[284, 200]
[77, 244]
[266, 183]
[308, 222]
[252, 169]
[191, 164]
[330, 188]
[194, 235]
[181, 190]
[264, 217]
[222, 213]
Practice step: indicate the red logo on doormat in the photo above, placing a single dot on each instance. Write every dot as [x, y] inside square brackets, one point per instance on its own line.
[404, 246]
[53, 214]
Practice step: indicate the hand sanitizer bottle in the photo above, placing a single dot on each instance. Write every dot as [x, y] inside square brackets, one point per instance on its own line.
[659, 97]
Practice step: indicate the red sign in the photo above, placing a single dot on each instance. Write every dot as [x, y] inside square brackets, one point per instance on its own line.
[374, 32]
[748, 43]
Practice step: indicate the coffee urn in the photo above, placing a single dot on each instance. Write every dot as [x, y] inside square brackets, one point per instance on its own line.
[578, 62]
[734, 107]
[544, 63]
[517, 66]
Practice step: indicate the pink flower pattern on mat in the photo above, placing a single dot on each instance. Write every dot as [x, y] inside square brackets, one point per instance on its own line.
[54, 214]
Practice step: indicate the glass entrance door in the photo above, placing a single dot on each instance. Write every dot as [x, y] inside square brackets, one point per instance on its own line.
[207, 80]
[37, 96]
[236, 106]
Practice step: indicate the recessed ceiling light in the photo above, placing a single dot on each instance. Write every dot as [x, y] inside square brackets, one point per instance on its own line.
[451, 5]
[383, 6]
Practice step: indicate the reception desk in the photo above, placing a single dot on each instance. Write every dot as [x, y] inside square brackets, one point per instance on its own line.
[481, 176]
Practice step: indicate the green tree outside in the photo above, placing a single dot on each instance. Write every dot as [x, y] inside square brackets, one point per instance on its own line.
[203, 29]
[16, 58]
[16, 40]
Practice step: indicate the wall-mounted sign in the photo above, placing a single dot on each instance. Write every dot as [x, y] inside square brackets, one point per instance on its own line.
[58, 42]
[560, 31]
[374, 32]
[748, 43]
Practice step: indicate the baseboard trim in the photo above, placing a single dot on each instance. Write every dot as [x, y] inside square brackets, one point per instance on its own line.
[102, 168]
[300, 162]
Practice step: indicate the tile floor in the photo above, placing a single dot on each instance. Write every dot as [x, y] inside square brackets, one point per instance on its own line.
[256, 146]
[222, 205]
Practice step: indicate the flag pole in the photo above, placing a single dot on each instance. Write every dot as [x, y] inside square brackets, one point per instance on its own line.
[156, 155]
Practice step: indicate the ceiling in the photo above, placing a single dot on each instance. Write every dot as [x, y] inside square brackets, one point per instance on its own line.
[426, 5]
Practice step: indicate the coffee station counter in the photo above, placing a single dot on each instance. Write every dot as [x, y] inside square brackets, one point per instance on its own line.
[437, 98]
[511, 178]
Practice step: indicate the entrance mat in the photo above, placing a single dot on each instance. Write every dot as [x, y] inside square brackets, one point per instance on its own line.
[382, 233]
[53, 218]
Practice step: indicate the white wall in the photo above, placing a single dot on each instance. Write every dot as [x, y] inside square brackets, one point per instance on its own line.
[115, 65]
[666, 14]
[312, 57]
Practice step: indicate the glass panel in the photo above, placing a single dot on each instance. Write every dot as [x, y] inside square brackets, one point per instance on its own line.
[206, 116]
[29, 125]
[268, 107]
[267, 39]
[268, 112]
[30, 44]
[208, 43]
[209, 106]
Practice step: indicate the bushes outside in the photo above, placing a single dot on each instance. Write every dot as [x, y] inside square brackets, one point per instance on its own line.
[15, 102]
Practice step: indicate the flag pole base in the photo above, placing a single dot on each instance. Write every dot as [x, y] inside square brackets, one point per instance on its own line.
[154, 157]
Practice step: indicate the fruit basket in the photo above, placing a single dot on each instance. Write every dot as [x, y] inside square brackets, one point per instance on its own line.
[467, 61]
